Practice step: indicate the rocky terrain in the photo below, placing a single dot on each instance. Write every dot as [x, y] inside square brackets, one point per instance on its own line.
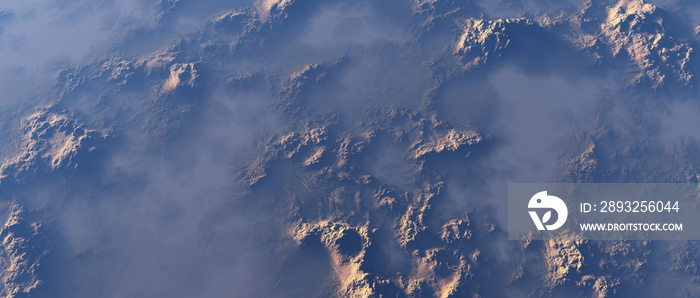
[286, 149]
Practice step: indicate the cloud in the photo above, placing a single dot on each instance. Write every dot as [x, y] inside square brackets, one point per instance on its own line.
[158, 211]
[527, 115]
[348, 24]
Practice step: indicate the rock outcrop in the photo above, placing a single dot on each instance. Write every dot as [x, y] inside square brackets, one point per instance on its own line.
[21, 252]
[50, 141]
[636, 30]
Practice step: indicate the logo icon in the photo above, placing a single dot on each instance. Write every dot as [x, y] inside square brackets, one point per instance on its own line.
[542, 201]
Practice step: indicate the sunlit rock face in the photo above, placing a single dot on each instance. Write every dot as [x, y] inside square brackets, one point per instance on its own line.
[636, 29]
[483, 39]
[335, 148]
[22, 252]
[51, 141]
